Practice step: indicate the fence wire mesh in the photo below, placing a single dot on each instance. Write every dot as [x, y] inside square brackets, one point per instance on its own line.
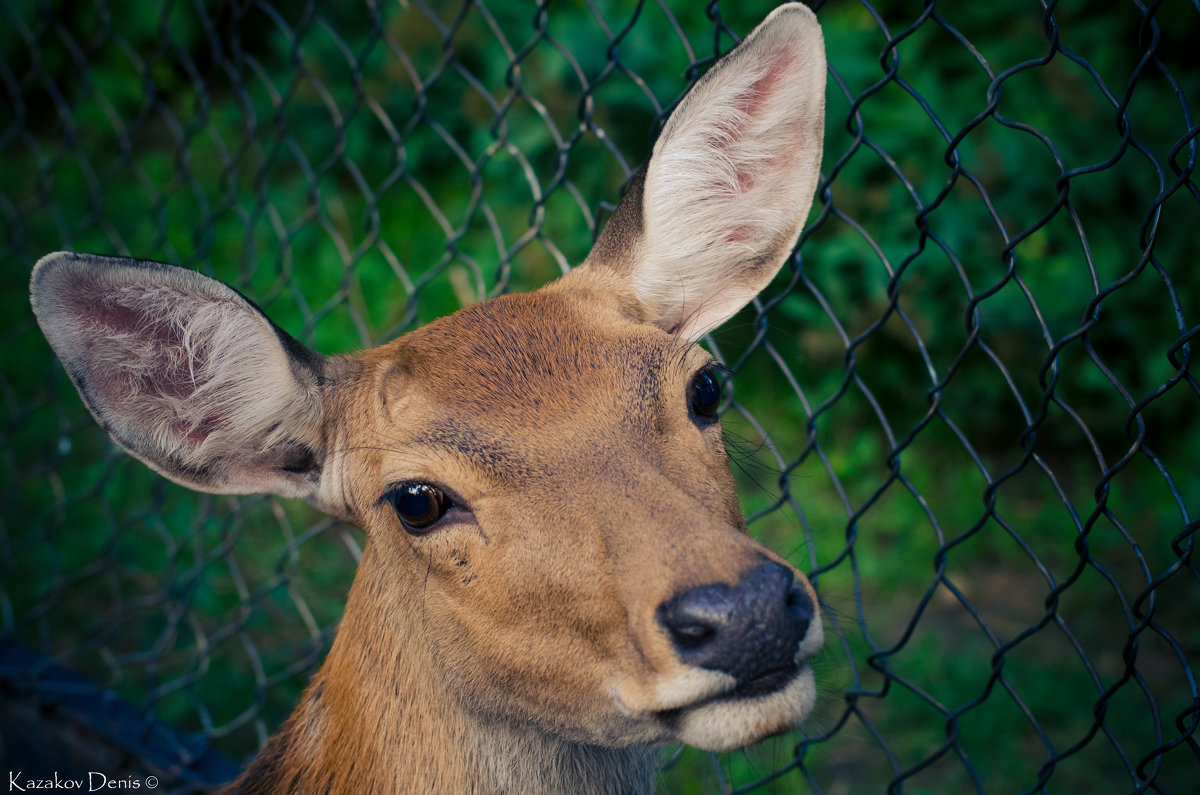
[967, 407]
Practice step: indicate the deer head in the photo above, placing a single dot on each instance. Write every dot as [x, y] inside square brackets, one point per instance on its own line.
[557, 574]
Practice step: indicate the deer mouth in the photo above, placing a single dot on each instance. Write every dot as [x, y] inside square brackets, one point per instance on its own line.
[764, 683]
[771, 703]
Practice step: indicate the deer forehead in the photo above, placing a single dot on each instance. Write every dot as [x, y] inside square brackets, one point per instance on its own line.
[544, 370]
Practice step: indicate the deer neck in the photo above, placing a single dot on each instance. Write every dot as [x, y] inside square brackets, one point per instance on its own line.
[376, 719]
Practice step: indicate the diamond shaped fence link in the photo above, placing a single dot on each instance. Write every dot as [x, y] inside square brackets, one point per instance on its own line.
[967, 407]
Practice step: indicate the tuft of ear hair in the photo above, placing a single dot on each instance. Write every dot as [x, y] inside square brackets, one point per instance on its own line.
[184, 373]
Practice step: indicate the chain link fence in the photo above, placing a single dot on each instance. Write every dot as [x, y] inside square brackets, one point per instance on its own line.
[967, 407]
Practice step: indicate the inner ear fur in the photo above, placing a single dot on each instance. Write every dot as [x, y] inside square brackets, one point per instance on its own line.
[185, 373]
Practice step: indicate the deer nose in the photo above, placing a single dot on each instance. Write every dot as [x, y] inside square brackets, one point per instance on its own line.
[748, 630]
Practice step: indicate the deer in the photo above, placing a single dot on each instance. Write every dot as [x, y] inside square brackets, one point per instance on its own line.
[556, 575]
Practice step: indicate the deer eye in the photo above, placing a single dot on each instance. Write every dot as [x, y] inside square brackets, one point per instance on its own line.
[706, 393]
[419, 505]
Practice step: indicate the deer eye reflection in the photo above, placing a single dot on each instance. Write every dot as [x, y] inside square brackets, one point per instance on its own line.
[419, 505]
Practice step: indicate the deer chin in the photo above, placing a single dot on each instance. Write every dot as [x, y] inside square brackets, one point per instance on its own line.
[769, 705]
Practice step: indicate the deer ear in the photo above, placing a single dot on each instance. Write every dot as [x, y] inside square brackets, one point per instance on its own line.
[721, 202]
[185, 373]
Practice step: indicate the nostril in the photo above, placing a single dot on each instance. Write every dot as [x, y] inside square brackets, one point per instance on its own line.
[694, 618]
[799, 608]
[692, 636]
